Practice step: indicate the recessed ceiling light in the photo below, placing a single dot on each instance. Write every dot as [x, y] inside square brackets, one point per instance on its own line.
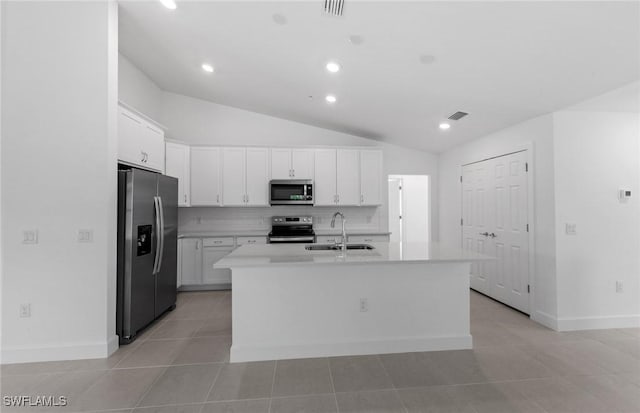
[169, 4]
[330, 99]
[207, 68]
[279, 19]
[333, 67]
[427, 59]
[444, 126]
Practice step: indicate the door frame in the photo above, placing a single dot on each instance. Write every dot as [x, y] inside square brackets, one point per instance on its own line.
[508, 150]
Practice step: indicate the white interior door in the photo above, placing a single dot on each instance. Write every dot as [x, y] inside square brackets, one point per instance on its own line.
[475, 221]
[494, 215]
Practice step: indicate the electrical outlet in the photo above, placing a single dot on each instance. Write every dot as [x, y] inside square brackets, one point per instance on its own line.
[30, 236]
[619, 286]
[570, 229]
[25, 310]
[85, 235]
[364, 305]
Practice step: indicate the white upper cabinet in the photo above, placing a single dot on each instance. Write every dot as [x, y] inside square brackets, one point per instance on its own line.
[233, 176]
[257, 177]
[370, 177]
[140, 142]
[205, 176]
[177, 165]
[348, 176]
[292, 163]
[324, 184]
[302, 161]
[280, 163]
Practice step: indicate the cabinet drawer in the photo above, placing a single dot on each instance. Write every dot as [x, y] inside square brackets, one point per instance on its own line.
[218, 242]
[328, 239]
[251, 240]
[368, 238]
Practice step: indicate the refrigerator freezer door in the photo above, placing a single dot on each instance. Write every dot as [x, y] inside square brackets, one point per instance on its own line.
[166, 278]
[136, 280]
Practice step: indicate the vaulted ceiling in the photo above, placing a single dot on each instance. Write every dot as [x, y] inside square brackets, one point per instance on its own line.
[415, 64]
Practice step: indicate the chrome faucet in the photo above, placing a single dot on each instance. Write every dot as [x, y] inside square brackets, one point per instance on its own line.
[343, 245]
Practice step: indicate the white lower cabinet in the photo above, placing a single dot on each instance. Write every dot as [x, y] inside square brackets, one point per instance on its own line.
[367, 238]
[251, 240]
[190, 269]
[195, 263]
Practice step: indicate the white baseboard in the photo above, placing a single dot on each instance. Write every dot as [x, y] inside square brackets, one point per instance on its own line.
[62, 352]
[545, 319]
[597, 323]
[312, 350]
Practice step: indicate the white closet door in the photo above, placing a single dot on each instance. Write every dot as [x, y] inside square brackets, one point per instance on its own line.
[475, 223]
[511, 231]
[495, 213]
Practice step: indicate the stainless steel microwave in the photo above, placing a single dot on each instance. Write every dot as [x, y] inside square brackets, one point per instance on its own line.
[291, 192]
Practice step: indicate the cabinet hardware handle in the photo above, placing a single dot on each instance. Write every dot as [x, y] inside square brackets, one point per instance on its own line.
[198, 244]
[492, 235]
[185, 198]
[293, 173]
[486, 234]
[217, 242]
[218, 199]
[361, 199]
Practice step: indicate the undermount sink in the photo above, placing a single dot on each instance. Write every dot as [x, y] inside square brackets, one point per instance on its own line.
[334, 247]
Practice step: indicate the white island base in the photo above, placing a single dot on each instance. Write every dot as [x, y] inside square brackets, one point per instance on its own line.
[317, 309]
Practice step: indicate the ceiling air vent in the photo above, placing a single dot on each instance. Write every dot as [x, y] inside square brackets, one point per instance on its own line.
[458, 115]
[334, 7]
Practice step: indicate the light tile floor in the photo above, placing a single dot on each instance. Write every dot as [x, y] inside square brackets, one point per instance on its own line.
[181, 365]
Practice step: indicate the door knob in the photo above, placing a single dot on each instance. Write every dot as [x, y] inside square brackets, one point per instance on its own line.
[486, 234]
[492, 235]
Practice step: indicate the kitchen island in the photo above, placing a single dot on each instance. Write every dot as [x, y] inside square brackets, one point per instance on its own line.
[289, 302]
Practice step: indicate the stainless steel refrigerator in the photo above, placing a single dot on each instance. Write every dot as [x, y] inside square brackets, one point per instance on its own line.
[147, 249]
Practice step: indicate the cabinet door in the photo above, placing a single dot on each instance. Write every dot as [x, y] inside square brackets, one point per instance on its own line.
[348, 176]
[257, 178]
[302, 161]
[130, 127]
[233, 176]
[191, 261]
[177, 165]
[281, 163]
[370, 177]
[205, 177]
[153, 147]
[325, 177]
[215, 276]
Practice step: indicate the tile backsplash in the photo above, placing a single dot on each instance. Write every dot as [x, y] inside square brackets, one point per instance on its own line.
[197, 219]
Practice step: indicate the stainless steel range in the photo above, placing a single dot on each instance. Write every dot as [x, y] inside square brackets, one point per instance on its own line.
[292, 230]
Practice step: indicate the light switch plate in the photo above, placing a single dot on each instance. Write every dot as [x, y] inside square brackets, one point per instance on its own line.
[570, 229]
[85, 235]
[30, 236]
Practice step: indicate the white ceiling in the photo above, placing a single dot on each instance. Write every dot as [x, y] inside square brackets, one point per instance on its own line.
[503, 62]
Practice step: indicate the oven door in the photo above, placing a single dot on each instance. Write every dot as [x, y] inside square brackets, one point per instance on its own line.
[291, 192]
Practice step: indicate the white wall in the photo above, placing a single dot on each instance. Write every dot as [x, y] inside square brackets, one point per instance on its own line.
[539, 133]
[137, 90]
[596, 154]
[59, 78]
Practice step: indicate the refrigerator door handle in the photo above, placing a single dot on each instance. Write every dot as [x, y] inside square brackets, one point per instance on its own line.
[161, 209]
[156, 206]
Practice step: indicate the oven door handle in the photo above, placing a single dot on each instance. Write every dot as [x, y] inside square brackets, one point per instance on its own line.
[285, 239]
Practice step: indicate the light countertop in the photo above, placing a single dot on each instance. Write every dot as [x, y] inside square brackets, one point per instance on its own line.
[384, 252]
[265, 232]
